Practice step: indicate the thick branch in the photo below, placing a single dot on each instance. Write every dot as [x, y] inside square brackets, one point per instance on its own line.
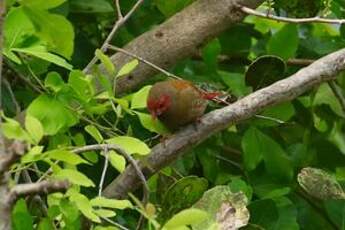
[322, 70]
[43, 187]
[179, 37]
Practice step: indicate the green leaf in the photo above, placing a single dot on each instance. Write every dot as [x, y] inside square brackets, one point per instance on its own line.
[55, 29]
[93, 131]
[90, 6]
[127, 68]
[117, 161]
[320, 184]
[182, 194]
[65, 156]
[45, 224]
[284, 43]
[42, 53]
[34, 128]
[153, 125]
[84, 206]
[54, 81]
[264, 71]
[33, 155]
[217, 202]
[110, 203]
[17, 28]
[52, 114]
[336, 211]
[105, 82]
[276, 193]
[104, 213]
[74, 177]
[252, 155]
[237, 185]
[130, 144]
[287, 215]
[106, 61]
[21, 218]
[82, 86]
[263, 213]
[210, 54]
[235, 41]
[325, 96]
[256, 145]
[12, 130]
[186, 217]
[235, 82]
[282, 112]
[70, 212]
[42, 4]
[139, 98]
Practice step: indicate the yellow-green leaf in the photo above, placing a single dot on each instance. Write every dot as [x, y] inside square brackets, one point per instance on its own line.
[34, 128]
[117, 161]
[130, 144]
[111, 203]
[109, 66]
[186, 217]
[140, 97]
[66, 156]
[75, 177]
[127, 68]
[93, 131]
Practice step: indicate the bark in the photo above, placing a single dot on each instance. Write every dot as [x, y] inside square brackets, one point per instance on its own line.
[178, 38]
[161, 155]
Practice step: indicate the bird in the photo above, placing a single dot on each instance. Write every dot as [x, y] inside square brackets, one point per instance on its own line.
[177, 103]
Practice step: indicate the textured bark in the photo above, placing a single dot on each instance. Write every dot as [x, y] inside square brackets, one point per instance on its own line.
[322, 70]
[179, 37]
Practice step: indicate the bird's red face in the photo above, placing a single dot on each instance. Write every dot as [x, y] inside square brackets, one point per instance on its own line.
[158, 106]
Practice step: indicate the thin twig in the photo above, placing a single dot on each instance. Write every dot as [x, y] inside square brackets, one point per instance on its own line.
[114, 223]
[125, 155]
[22, 77]
[104, 171]
[118, 10]
[13, 98]
[338, 94]
[117, 25]
[299, 61]
[156, 67]
[250, 11]
[2, 12]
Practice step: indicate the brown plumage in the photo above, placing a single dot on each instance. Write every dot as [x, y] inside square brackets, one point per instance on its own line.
[176, 103]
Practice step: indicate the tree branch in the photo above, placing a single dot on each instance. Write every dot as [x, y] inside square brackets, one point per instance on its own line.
[43, 187]
[250, 11]
[178, 38]
[121, 20]
[322, 70]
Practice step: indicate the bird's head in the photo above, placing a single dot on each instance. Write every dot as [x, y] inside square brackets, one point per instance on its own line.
[157, 106]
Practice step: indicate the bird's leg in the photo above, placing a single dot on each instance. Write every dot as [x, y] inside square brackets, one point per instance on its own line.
[164, 138]
[197, 122]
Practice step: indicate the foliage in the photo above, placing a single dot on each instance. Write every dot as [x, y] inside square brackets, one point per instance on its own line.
[255, 166]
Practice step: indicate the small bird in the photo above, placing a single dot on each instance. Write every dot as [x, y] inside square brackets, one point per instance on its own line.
[177, 103]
